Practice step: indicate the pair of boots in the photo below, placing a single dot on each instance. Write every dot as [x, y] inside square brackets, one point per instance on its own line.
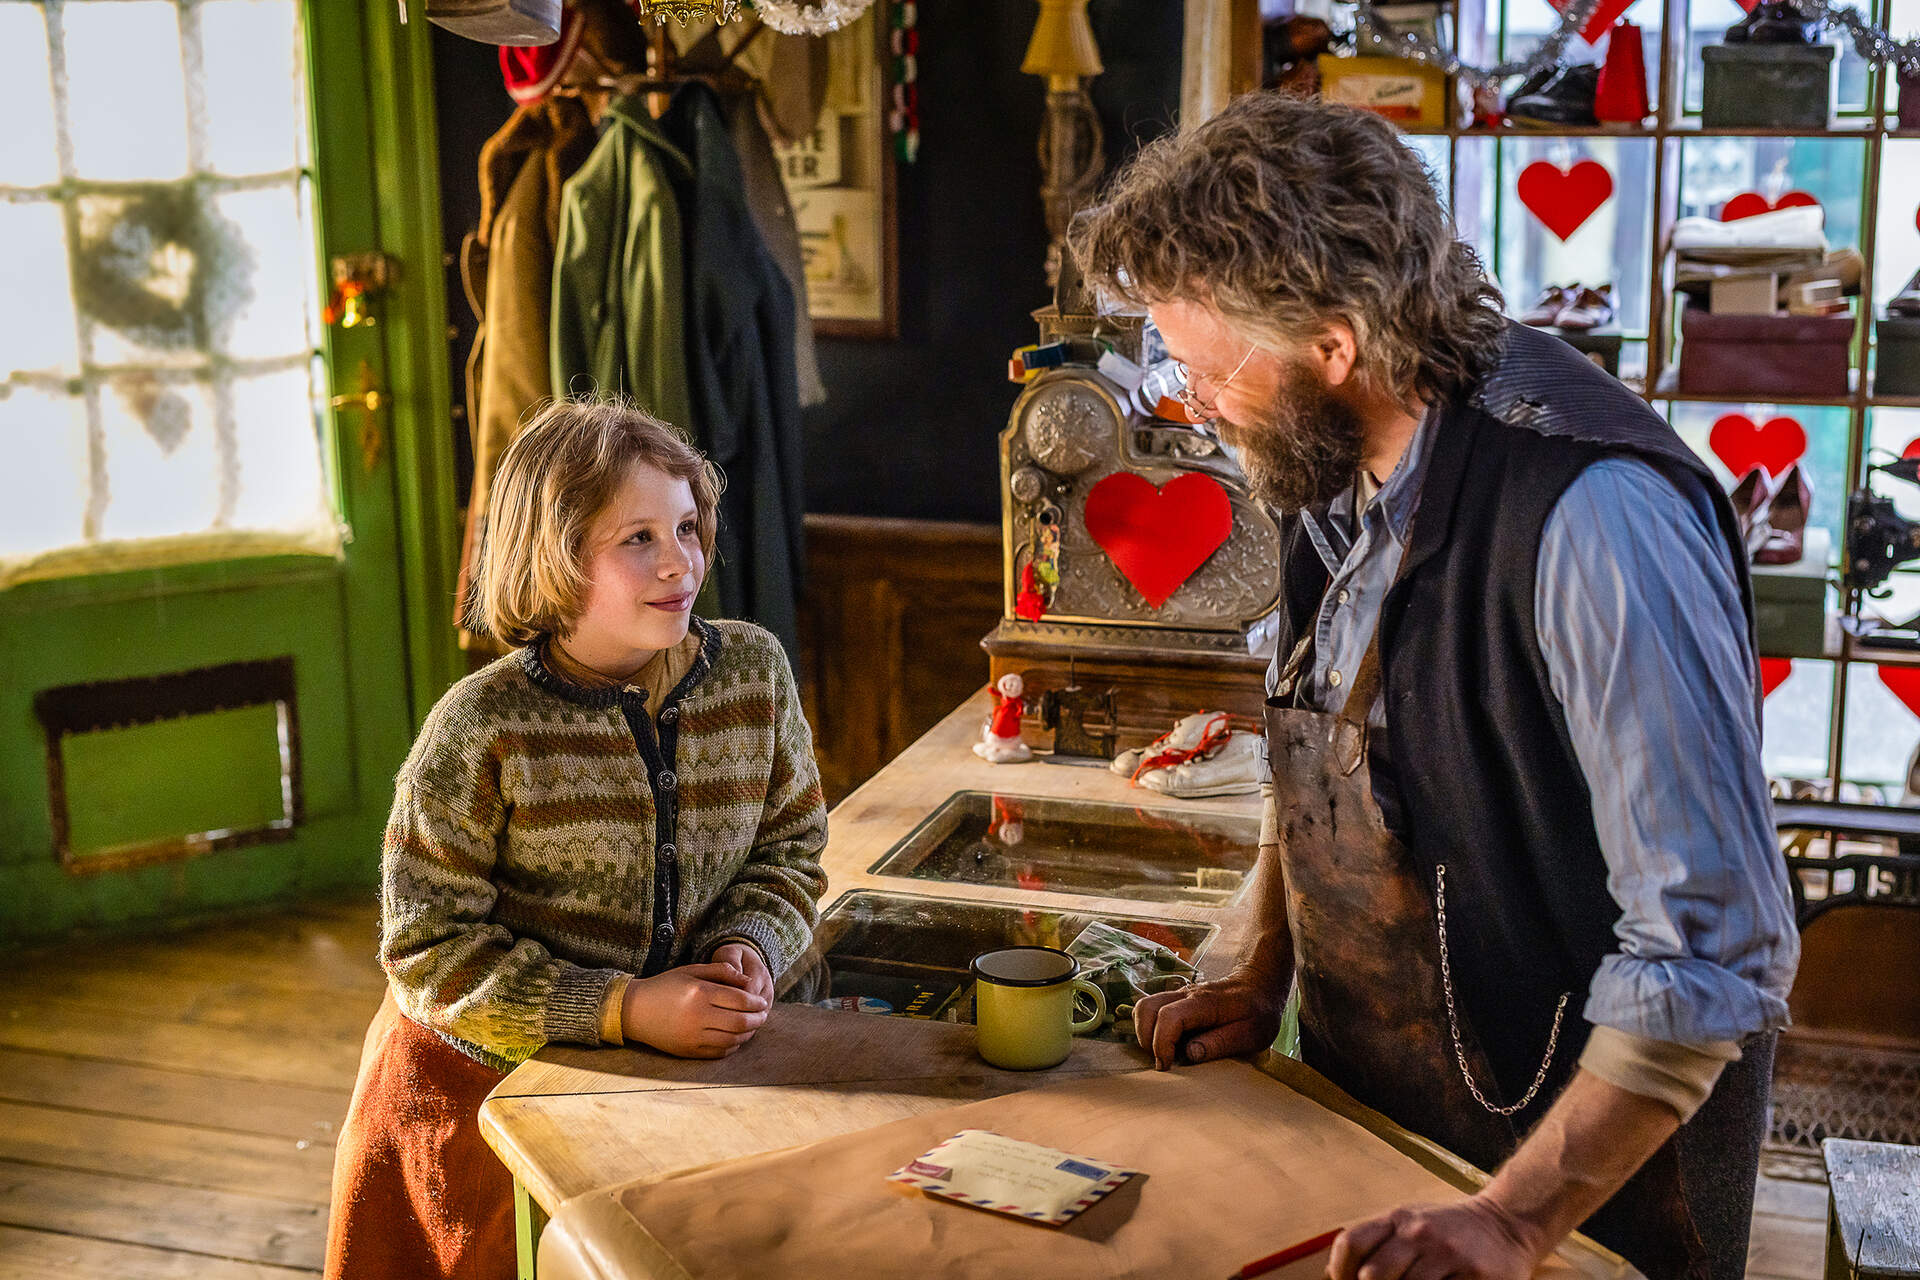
[1773, 517]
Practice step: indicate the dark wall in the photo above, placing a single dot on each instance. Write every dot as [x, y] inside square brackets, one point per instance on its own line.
[909, 426]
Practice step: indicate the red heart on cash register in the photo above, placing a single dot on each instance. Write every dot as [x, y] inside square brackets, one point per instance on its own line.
[1159, 537]
[1742, 445]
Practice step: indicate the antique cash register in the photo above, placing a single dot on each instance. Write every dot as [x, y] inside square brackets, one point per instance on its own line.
[1134, 557]
[1138, 569]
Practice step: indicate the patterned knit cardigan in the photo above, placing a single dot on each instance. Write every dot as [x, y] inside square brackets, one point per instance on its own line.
[531, 857]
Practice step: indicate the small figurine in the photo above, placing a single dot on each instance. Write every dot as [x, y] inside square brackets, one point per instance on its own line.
[1000, 741]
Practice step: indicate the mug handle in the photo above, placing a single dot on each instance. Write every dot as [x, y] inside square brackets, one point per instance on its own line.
[1095, 1020]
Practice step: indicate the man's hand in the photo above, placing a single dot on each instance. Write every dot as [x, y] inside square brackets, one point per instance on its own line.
[1473, 1239]
[695, 1011]
[1238, 1014]
[746, 958]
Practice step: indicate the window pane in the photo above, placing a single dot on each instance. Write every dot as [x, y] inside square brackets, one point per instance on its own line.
[1612, 246]
[1708, 21]
[1881, 732]
[1896, 252]
[1713, 170]
[43, 487]
[39, 338]
[277, 448]
[163, 470]
[162, 274]
[126, 91]
[1793, 742]
[269, 256]
[251, 85]
[27, 157]
[1824, 463]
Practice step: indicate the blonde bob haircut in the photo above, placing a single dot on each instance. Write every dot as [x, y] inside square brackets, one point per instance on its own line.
[553, 482]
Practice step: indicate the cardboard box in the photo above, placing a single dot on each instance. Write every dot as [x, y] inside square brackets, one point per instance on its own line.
[1407, 93]
[1753, 357]
[1756, 295]
[1790, 600]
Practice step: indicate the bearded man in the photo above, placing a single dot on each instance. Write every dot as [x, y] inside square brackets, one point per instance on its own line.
[1520, 860]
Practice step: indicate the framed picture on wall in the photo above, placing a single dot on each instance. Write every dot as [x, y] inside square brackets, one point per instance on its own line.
[840, 180]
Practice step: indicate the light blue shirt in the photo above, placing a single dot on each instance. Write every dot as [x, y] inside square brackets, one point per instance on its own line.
[1639, 617]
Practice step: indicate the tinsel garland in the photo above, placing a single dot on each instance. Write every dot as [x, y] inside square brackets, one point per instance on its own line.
[816, 18]
[1870, 42]
[1417, 48]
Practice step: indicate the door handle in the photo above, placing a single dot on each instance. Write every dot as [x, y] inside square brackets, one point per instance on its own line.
[369, 400]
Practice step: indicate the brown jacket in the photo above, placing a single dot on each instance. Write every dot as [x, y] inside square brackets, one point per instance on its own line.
[507, 268]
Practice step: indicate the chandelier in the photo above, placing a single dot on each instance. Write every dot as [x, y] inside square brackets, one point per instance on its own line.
[684, 11]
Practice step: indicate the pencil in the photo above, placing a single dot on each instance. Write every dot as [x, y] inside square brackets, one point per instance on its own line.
[1293, 1253]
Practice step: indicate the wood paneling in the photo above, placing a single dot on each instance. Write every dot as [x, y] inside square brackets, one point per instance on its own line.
[891, 621]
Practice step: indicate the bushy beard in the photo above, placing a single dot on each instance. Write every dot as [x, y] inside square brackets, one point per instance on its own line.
[1306, 450]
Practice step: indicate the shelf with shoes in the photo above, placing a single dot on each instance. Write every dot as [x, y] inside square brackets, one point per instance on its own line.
[1833, 706]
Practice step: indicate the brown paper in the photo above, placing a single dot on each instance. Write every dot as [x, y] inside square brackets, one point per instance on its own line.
[1237, 1165]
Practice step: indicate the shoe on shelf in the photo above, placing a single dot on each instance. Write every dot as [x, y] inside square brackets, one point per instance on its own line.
[1787, 519]
[1588, 309]
[1773, 22]
[1566, 98]
[1546, 309]
[1907, 301]
[1750, 498]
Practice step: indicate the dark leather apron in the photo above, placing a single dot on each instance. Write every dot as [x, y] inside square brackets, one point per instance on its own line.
[1374, 1015]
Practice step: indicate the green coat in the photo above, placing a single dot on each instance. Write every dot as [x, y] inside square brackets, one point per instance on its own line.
[619, 293]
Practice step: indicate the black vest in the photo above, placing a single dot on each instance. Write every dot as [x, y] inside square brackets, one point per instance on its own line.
[1477, 770]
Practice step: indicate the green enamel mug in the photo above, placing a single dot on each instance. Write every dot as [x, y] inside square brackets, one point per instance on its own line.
[1023, 1006]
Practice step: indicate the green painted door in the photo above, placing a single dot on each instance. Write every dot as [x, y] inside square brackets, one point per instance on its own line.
[225, 569]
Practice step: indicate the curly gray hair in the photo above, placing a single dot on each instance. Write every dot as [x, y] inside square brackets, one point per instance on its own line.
[1286, 214]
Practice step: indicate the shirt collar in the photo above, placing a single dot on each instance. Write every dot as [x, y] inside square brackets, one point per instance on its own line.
[1332, 527]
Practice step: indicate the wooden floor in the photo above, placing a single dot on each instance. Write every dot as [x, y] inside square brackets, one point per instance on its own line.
[168, 1106]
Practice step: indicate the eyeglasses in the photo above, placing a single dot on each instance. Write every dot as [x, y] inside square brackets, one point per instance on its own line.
[1192, 402]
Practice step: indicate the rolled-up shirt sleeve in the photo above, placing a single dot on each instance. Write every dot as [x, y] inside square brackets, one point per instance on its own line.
[1640, 622]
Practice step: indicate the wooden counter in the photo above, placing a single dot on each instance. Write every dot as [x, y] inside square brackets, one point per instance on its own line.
[572, 1120]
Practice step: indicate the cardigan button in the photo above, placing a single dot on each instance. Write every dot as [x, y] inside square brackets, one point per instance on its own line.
[669, 714]
[668, 780]
[668, 850]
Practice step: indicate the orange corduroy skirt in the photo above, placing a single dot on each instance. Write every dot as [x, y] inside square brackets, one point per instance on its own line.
[416, 1190]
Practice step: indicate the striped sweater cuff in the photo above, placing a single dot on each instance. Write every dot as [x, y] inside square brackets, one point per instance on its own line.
[764, 938]
[574, 1004]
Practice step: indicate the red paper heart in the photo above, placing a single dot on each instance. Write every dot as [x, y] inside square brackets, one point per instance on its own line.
[1602, 17]
[1563, 199]
[1913, 448]
[1904, 683]
[1749, 203]
[1773, 673]
[1736, 441]
[1158, 537]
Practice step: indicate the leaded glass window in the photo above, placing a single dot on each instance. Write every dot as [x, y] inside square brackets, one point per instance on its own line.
[160, 379]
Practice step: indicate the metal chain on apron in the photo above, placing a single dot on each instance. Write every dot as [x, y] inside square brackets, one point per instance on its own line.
[1453, 1020]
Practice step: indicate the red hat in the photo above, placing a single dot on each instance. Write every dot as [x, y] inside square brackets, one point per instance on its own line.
[531, 72]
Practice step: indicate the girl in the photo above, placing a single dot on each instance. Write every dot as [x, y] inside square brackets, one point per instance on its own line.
[611, 835]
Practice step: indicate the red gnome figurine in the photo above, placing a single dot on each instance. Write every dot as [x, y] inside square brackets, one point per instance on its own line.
[1000, 742]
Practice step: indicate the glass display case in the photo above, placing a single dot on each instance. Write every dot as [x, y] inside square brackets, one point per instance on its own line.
[1085, 848]
[909, 955]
